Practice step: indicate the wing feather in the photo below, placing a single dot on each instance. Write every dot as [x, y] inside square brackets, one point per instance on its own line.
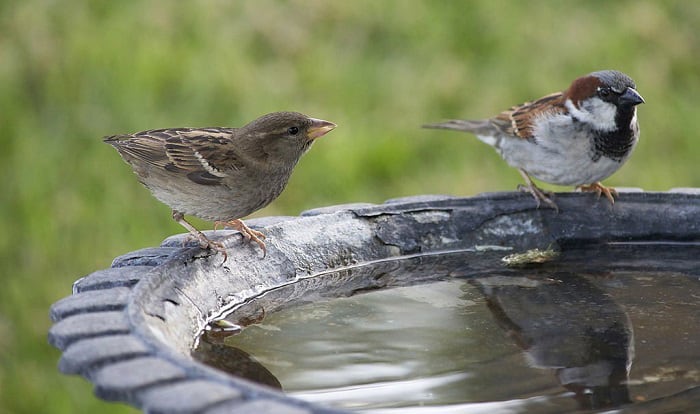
[204, 155]
[519, 121]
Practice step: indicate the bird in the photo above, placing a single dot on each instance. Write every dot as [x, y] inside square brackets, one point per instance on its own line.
[220, 174]
[577, 137]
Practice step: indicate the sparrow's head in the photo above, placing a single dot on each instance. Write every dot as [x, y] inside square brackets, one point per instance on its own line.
[282, 136]
[605, 100]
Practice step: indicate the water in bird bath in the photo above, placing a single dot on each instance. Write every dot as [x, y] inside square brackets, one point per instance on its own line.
[595, 328]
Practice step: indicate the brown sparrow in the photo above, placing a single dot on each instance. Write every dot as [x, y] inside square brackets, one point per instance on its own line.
[220, 174]
[576, 137]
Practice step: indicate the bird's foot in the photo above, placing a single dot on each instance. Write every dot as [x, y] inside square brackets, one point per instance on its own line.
[248, 233]
[206, 243]
[598, 188]
[539, 195]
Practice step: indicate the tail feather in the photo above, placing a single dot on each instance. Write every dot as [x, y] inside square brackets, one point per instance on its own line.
[115, 140]
[475, 127]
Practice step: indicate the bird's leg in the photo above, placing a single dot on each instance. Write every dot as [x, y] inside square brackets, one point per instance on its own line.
[539, 194]
[204, 242]
[598, 188]
[248, 233]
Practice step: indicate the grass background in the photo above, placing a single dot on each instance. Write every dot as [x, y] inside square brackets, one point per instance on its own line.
[73, 71]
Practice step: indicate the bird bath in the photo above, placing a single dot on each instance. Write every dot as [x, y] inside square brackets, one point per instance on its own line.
[406, 306]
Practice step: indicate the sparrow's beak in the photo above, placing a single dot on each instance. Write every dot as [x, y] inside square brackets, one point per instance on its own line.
[631, 97]
[319, 128]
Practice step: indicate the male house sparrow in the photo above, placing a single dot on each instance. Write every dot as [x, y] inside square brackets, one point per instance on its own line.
[576, 137]
[220, 174]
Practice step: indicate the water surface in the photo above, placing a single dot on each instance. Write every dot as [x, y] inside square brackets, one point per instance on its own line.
[614, 326]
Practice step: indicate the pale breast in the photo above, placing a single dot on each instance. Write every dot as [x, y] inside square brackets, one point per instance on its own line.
[237, 197]
[563, 154]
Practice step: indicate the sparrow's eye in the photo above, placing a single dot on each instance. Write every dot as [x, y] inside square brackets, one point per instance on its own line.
[293, 130]
[604, 92]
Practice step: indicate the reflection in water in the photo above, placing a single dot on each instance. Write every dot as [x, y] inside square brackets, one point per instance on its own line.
[439, 346]
[234, 361]
[567, 324]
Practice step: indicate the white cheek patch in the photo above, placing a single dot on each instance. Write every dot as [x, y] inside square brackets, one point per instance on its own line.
[595, 112]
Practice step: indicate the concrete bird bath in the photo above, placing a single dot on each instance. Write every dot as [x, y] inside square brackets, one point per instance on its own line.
[130, 329]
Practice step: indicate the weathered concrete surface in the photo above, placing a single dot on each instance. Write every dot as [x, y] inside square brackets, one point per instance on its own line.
[129, 329]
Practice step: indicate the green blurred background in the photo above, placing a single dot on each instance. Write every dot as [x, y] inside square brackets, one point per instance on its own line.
[73, 71]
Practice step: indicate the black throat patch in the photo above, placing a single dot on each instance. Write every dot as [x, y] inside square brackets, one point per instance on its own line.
[618, 143]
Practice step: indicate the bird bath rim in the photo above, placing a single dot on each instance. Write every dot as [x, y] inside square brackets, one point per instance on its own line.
[129, 329]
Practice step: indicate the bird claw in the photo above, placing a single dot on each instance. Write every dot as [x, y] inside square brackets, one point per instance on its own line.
[203, 240]
[247, 233]
[219, 247]
[539, 195]
[256, 236]
[598, 188]
[206, 243]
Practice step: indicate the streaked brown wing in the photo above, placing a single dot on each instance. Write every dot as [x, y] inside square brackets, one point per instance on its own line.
[519, 120]
[141, 147]
[202, 154]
